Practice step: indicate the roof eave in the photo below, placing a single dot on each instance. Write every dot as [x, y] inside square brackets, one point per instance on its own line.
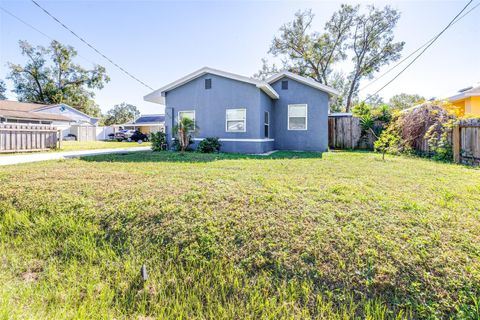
[331, 91]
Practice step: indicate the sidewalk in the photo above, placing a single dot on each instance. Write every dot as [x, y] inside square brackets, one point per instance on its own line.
[35, 157]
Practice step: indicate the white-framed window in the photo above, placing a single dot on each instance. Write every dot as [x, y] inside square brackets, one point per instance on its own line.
[297, 117]
[186, 114]
[266, 124]
[236, 120]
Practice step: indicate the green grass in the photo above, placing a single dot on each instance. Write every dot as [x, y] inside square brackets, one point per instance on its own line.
[90, 145]
[292, 235]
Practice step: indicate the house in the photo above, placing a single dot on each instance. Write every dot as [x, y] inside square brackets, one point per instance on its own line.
[285, 112]
[146, 123]
[61, 116]
[27, 113]
[468, 100]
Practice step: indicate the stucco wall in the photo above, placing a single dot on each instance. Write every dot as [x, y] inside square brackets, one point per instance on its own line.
[210, 110]
[315, 138]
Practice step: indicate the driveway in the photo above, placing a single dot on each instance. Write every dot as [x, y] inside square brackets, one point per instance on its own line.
[34, 157]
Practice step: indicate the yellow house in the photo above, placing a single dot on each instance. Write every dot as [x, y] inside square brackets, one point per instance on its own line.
[468, 100]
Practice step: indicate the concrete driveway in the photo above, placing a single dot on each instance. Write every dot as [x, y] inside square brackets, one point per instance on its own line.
[35, 157]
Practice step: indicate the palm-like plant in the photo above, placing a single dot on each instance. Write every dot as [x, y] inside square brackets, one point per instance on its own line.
[183, 130]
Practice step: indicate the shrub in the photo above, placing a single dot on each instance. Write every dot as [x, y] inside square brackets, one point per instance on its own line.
[159, 141]
[177, 147]
[425, 130]
[209, 145]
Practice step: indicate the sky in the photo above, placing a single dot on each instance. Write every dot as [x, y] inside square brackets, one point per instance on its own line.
[159, 41]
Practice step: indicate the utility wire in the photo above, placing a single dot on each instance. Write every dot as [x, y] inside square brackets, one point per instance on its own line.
[39, 31]
[422, 52]
[418, 49]
[92, 47]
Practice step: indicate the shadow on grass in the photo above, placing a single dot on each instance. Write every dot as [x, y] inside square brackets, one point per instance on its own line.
[169, 156]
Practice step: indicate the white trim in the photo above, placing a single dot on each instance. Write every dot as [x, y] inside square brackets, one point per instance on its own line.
[244, 120]
[266, 124]
[306, 116]
[473, 92]
[309, 82]
[158, 96]
[194, 116]
[239, 140]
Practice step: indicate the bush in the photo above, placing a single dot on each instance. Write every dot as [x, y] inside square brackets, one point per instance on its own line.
[209, 145]
[177, 146]
[159, 141]
[424, 130]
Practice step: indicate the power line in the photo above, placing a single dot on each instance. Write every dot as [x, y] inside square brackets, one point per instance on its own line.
[418, 49]
[91, 46]
[423, 51]
[39, 31]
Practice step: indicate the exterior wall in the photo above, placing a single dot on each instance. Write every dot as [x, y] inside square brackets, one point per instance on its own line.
[210, 111]
[70, 113]
[472, 106]
[469, 106]
[149, 129]
[315, 138]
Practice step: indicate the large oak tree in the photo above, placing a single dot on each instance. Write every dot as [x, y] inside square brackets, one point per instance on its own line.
[364, 37]
[51, 76]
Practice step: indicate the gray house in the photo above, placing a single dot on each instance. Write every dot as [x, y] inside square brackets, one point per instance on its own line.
[285, 112]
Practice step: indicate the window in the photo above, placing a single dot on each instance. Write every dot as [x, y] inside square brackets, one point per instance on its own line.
[284, 85]
[297, 117]
[236, 120]
[208, 83]
[186, 114]
[266, 124]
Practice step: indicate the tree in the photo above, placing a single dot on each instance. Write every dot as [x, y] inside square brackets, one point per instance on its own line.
[373, 46]
[183, 131]
[366, 37]
[50, 76]
[404, 101]
[3, 89]
[121, 113]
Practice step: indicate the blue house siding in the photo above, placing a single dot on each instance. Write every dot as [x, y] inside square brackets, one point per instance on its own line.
[210, 107]
[315, 138]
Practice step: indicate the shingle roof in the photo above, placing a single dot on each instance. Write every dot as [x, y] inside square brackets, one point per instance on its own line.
[150, 118]
[21, 110]
[158, 96]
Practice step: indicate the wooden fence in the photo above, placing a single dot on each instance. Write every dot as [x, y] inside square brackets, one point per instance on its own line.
[21, 138]
[466, 142]
[345, 132]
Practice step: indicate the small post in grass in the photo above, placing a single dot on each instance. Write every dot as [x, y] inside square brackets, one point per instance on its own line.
[144, 273]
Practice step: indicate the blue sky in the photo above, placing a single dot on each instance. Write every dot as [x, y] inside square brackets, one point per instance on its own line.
[161, 41]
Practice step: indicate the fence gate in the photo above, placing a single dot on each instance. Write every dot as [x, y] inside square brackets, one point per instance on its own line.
[466, 142]
[20, 138]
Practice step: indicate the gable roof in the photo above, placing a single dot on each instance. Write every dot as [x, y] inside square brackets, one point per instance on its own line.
[150, 118]
[158, 96]
[50, 106]
[307, 81]
[472, 91]
[21, 110]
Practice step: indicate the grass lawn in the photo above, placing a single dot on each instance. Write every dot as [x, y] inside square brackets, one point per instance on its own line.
[292, 235]
[90, 145]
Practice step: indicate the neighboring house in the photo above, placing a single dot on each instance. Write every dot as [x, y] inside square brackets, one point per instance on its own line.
[468, 100]
[146, 123]
[70, 112]
[285, 112]
[26, 113]
[61, 116]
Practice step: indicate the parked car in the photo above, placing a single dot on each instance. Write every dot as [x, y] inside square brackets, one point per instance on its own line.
[138, 137]
[70, 137]
[124, 135]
